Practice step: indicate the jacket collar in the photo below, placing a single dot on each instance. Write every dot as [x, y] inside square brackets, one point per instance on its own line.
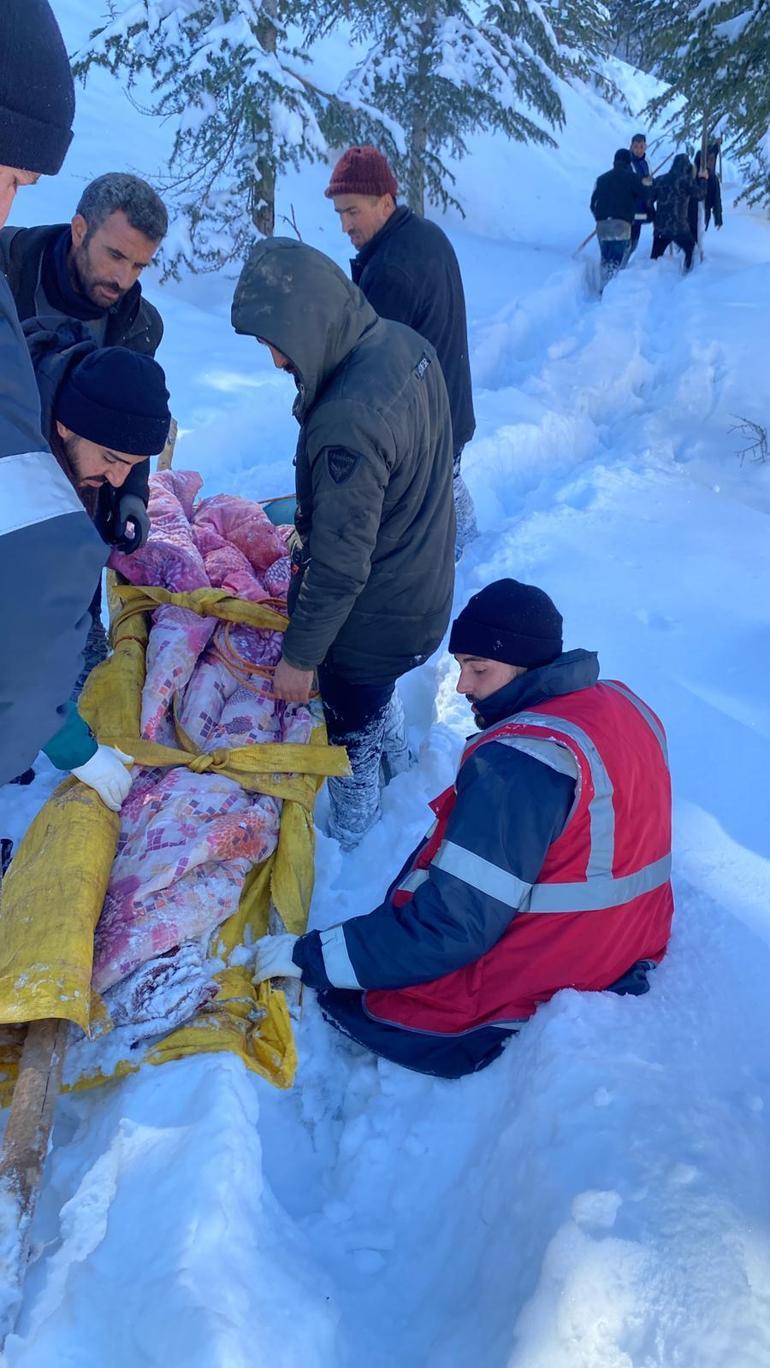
[570, 671]
[398, 218]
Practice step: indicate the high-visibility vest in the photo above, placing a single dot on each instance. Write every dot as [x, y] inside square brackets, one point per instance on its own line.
[603, 897]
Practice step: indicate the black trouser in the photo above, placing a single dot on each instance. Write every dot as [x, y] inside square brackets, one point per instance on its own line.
[684, 240]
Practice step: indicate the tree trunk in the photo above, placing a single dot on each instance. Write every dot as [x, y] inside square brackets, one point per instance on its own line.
[419, 123]
[262, 197]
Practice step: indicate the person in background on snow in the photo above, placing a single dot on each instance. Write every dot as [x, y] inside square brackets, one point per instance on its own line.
[616, 198]
[104, 412]
[50, 552]
[373, 567]
[640, 167]
[713, 204]
[88, 270]
[407, 268]
[673, 194]
[548, 865]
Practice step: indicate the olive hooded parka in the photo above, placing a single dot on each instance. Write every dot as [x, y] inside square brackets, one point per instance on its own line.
[375, 513]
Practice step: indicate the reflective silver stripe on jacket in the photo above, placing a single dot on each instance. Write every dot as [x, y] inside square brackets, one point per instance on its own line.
[481, 874]
[474, 871]
[34, 488]
[596, 894]
[601, 815]
[647, 714]
[554, 754]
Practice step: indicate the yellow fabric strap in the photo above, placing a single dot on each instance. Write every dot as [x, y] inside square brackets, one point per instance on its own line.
[255, 768]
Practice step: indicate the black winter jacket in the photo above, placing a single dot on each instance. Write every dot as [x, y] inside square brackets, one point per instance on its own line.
[132, 322]
[375, 513]
[619, 194]
[410, 274]
[54, 350]
[673, 193]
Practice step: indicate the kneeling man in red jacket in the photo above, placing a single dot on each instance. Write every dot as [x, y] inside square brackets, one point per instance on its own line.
[548, 865]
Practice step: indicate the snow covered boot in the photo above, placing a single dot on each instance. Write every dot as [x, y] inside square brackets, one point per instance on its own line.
[354, 801]
[396, 757]
[465, 516]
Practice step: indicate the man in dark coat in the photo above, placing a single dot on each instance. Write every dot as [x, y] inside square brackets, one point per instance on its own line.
[673, 194]
[713, 203]
[616, 198]
[89, 270]
[567, 780]
[50, 552]
[374, 562]
[408, 270]
[641, 168]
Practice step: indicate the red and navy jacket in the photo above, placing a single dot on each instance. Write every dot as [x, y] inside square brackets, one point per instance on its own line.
[548, 866]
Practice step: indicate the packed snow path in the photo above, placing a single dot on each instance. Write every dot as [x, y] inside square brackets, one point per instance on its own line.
[599, 1197]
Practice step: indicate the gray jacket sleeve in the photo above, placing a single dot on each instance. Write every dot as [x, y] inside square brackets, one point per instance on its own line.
[348, 492]
[510, 807]
[50, 560]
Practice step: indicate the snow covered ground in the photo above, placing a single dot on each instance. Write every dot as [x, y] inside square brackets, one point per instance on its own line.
[599, 1197]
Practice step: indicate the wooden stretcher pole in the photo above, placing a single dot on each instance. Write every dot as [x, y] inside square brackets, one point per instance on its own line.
[25, 1146]
[167, 454]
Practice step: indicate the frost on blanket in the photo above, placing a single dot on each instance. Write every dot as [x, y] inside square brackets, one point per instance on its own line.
[187, 840]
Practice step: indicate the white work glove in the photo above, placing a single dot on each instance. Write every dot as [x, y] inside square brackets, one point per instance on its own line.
[106, 772]
[273, 958]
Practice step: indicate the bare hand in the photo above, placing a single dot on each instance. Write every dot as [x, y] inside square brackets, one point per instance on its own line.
[703, 175]
[291, 684]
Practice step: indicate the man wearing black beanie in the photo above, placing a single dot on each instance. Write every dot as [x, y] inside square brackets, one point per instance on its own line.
[50, 552]
[104, 412]
[547, 867]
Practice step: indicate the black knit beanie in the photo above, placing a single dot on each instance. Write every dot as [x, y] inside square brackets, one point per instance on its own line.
[37, 94]
[511, 622]
[117, 398]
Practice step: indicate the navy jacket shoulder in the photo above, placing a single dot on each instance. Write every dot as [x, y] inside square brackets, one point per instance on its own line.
[409, 273]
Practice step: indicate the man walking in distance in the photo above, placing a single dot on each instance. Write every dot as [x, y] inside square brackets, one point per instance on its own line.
[407, 268]
[374, 565]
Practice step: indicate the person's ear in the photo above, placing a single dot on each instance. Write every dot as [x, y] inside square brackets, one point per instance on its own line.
[79, 230]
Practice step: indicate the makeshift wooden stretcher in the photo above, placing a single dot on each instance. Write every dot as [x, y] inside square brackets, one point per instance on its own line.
[52, 897]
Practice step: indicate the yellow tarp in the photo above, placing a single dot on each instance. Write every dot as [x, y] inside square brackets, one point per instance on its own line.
[53, 893]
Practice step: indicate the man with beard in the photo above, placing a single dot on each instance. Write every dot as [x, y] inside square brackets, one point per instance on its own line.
[547, 866]
[104, 412]
[89, 271]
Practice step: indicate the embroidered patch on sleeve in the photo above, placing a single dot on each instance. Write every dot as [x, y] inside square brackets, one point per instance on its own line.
[341, 463]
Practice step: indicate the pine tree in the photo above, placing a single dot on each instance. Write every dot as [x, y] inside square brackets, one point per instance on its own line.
[242, 111]
[715, 55]
[443, 69]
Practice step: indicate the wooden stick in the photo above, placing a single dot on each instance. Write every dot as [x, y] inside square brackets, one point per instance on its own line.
[167, 454]
[25, 1146]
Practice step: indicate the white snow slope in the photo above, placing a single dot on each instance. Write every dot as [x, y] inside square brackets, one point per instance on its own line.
[599, 1197]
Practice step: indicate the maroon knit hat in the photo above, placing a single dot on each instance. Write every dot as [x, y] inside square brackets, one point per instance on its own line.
[362, 171]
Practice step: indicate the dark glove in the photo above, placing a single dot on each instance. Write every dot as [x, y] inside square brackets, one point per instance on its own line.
[131, 527]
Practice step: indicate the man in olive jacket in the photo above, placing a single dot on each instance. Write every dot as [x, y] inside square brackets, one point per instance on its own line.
[374, 566]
